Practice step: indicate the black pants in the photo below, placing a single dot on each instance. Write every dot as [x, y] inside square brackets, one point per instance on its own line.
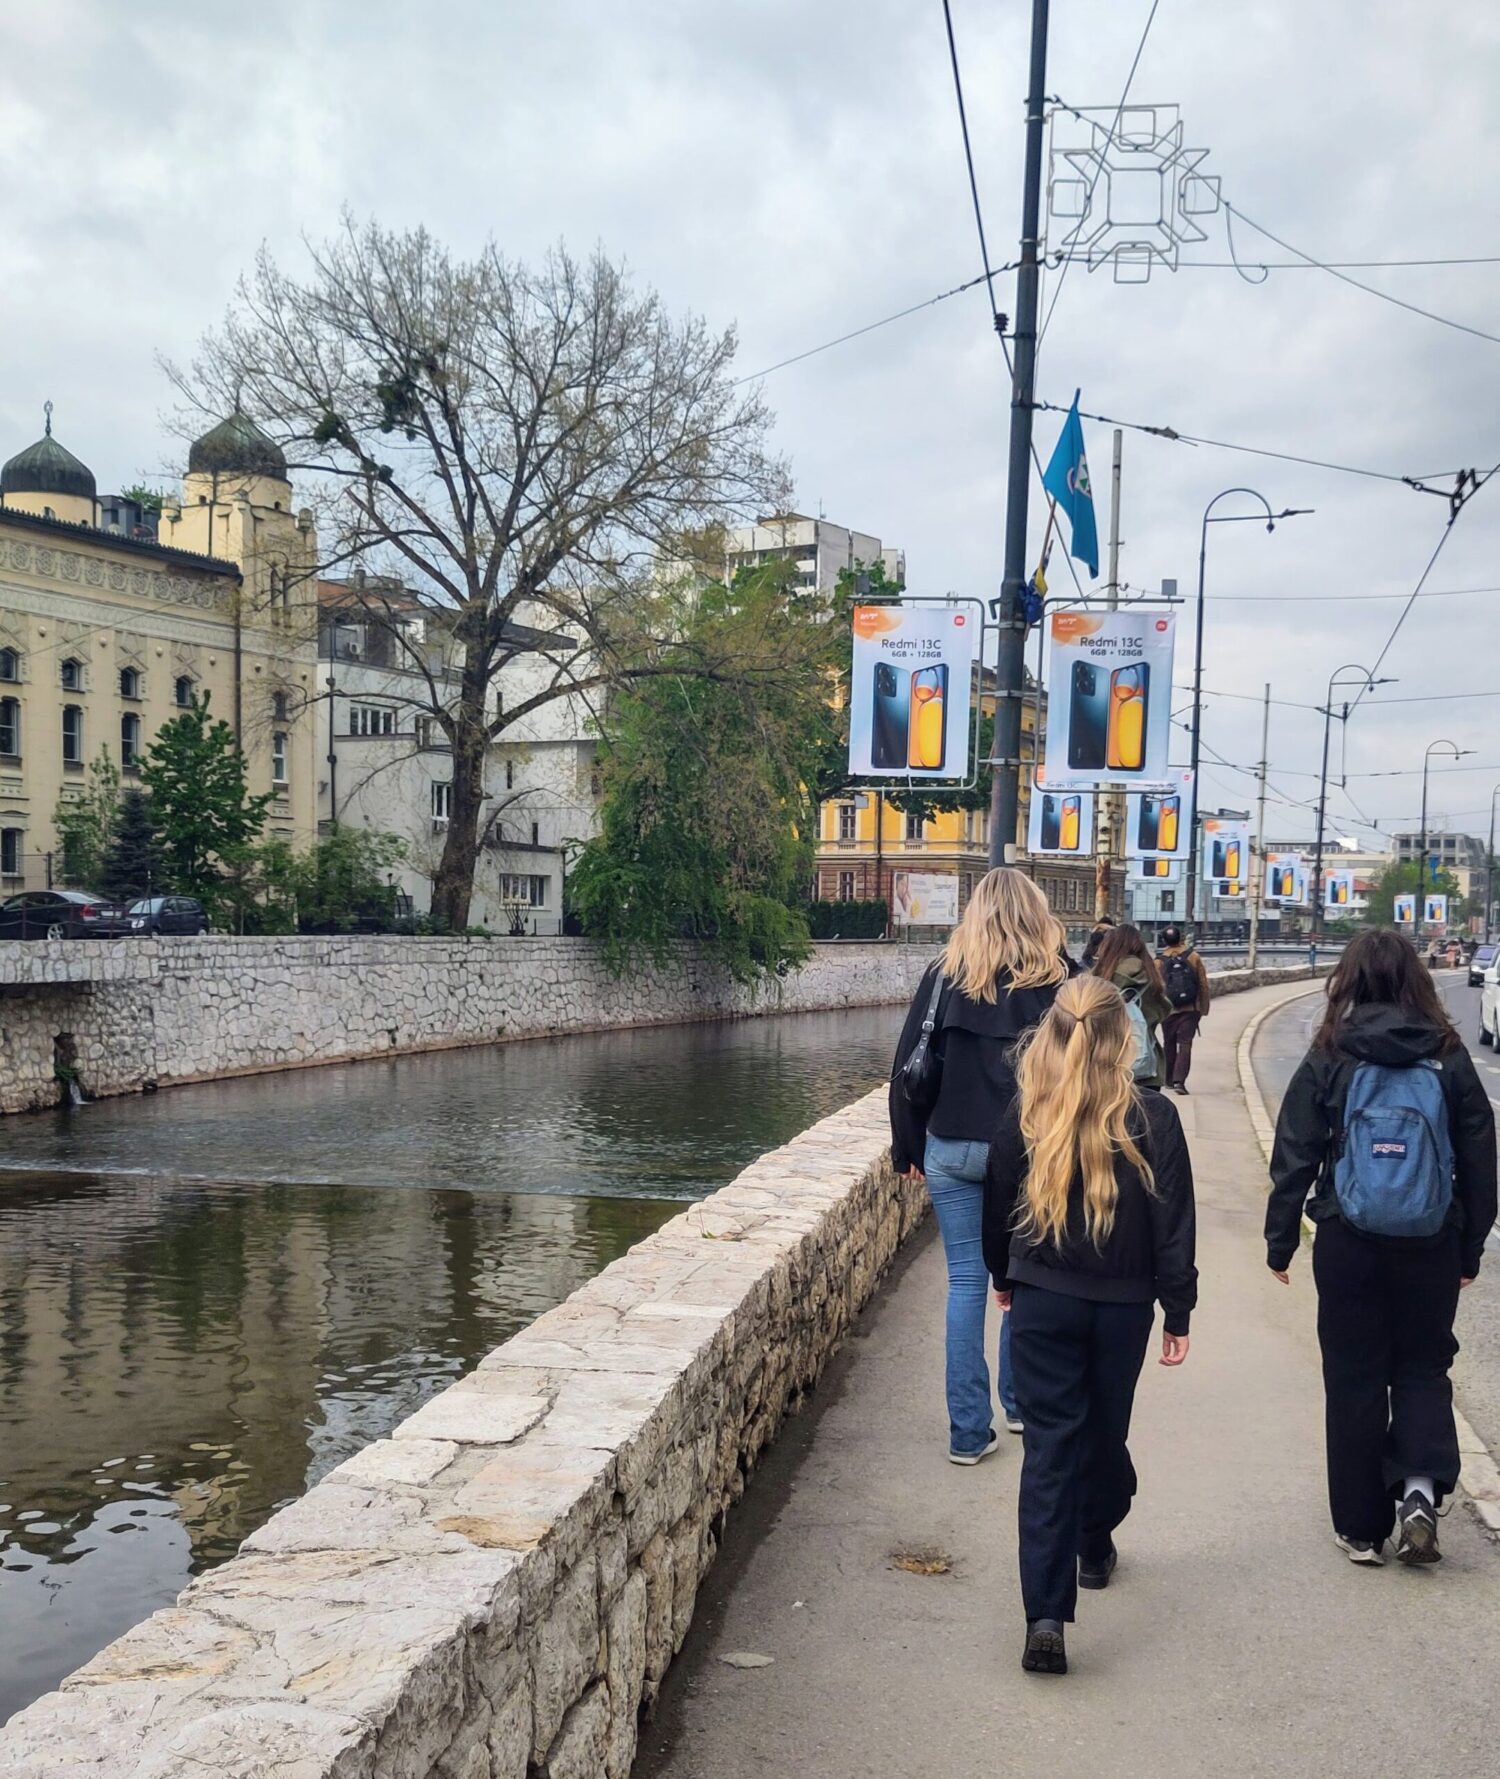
[1177, 1033]
[1385, 1324]
[1076, 1365]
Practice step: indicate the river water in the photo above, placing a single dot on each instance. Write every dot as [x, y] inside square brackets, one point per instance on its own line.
[211, 1296]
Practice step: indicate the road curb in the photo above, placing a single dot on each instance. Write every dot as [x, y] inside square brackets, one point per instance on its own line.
[1479, 1477]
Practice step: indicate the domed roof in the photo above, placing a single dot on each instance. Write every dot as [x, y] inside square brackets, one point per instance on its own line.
[236, 447]
[46, 468]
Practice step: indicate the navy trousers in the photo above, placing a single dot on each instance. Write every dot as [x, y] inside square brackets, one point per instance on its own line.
[1076, 1365]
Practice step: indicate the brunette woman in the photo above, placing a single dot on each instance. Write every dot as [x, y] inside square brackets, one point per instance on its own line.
[1125, 960]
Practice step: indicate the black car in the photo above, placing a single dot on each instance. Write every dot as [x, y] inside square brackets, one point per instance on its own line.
[166, 914]
[58, 914]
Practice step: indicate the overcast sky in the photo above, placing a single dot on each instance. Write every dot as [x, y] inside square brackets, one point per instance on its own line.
[795, 166]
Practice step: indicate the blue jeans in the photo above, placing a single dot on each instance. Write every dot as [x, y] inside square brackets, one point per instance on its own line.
[955, 1181]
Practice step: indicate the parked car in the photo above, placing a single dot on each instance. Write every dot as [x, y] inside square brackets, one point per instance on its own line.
[1489, 1002]
[1483, 957]
[166, 914]
[58, 914]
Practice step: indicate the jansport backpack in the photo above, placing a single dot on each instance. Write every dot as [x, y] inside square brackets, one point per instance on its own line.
[1393, 1174]
[1179, 979]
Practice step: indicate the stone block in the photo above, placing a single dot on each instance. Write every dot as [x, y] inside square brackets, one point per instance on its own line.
[579, 1750]
[565, 1655]
[625, 1674]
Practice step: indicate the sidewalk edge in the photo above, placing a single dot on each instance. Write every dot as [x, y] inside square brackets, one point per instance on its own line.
[1479, 1477]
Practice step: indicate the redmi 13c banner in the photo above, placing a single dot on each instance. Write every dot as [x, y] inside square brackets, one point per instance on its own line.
[1286, 879]
[1060, 822]
[1109, 698]
[1159, 824]
[1338, 891]
[1406, 911]
[1226, 855]
[1434, 911]
[1154, 871]
[909, 698]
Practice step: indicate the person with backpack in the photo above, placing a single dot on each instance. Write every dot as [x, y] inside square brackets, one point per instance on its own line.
[1124, 960]
[1088, 1223]
[1387, 1138]
[1100, 931]
[950, 1085]
[1185, 983]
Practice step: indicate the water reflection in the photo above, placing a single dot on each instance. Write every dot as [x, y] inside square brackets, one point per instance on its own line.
[210, 1297]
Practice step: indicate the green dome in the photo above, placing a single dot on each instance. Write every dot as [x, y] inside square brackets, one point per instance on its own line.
[236, 447]
[46, 468]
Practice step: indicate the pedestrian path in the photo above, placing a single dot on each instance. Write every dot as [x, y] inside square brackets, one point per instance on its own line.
[1234, 1640]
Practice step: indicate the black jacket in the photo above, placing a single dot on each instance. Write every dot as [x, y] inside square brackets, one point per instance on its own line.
[1312, 1121]
[974, 1040]
[1148, 1255]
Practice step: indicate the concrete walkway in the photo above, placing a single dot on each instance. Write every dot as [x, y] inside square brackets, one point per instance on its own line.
[1234, 1640]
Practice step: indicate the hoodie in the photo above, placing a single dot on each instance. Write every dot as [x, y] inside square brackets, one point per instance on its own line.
[1311, 1122]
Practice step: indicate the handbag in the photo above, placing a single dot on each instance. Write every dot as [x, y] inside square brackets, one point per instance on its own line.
[922, 1072]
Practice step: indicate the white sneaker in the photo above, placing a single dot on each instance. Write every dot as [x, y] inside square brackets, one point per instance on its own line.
[1358, 1551]
[974, 1457]
[1014, 1424]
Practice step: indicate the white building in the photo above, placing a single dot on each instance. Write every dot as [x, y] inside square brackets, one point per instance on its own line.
[820, 549]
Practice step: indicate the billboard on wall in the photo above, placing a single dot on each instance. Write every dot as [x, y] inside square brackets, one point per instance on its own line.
[1286, 879]
[1406, 910]
[1060, 822]
[1109, 698]
[1338, 890]
[924, 899]
[1435, 911]
[1159, 824]
[910, 690]
[1226, 854]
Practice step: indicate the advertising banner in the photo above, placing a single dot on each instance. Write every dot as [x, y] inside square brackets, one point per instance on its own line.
[1435, 911]
[1154, 870]
[1286, 879]
[1338, 890]
[1226, 853]
[1159, 824]
[1109, 698]
[924, 899]
[1060, 822]
[910, 690]
[1230, 889]
[1406, 910]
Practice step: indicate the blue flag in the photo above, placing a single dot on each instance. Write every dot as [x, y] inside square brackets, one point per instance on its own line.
[1067, 481]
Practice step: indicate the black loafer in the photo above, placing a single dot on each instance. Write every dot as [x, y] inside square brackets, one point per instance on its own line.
[1096, 1575]
[1045, 1652]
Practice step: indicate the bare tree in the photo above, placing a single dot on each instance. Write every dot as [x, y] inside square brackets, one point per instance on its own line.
[518, 444]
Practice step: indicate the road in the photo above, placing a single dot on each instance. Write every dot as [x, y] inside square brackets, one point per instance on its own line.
[1280, 1046]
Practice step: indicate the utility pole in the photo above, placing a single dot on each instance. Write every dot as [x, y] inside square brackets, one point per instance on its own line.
[1258, 851]
[1109, 802]
[1010, 654]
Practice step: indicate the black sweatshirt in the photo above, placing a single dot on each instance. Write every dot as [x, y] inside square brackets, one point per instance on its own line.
[974, 1040]
[1311, 1124]
[1148, 1256]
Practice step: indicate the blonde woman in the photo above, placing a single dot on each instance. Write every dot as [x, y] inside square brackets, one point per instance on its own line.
[999, 973]
[1088, 1223]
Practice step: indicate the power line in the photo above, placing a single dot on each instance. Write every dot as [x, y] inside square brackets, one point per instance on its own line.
[1336, 599]
[963, 124]
[1330, 265]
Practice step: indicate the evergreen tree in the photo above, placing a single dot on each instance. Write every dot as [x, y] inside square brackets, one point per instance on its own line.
[134, 865]
[205, 819]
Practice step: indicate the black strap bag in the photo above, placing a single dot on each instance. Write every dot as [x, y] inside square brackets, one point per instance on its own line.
[922, 1072]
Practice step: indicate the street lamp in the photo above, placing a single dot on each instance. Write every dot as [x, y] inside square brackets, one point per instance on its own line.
[1211, 518]
[1458, 754]
[1317, 885]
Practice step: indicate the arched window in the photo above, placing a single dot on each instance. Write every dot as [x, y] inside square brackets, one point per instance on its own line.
[278, 757]
[130, 682]
[10, 726]
[10, 664]
[182, 691]
[72, 674]
[12, 842]
[130, 740]
[72, 734]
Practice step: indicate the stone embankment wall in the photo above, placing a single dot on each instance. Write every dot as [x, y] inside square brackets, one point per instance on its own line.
[496, 1591]
[132, 1014]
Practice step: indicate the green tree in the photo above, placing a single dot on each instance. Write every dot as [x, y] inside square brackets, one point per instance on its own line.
[85, 824]
[148, 499]
[707, 817]
[1401, 880]
[134, 865]
[343, 879]
[205, 818]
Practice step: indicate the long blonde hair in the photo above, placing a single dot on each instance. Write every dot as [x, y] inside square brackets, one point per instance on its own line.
[1008, 927]
[1077, 1095]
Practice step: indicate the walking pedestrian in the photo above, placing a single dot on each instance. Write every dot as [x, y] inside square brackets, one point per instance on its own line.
[1185, 984]
[1125, 960]
[1387, 1137]
[1088, 1222]
[996, 978]
[1102, 928]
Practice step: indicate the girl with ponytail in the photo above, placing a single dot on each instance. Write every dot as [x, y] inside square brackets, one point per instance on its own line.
[1088, 1223]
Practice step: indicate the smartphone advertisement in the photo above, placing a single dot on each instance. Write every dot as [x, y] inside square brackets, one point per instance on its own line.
[1286, 879]
[1109, 697]
[1154, 870]
[909, 701]
[924, 899]
[1060, 821]
[1406, 911]
[1226, 854]
[1435, 911]
[1338, 891]
[1159, 824]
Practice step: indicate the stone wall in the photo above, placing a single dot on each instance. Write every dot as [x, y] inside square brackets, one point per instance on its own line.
[496, 1591]
[136, 1014]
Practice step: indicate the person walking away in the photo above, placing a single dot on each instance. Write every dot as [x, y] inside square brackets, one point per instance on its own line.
[1125, 960]
[997, 977]
[1387, 1137]
[1101, 931]
[1185, 984]
[1088, 1222]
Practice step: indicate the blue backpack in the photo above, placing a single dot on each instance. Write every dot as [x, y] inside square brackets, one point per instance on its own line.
[1393, 1174]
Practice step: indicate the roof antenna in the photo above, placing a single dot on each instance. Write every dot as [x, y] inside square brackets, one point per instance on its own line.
[47, 410]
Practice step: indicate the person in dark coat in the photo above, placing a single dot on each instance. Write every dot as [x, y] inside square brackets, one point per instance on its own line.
[1000, 970]
[1102, 929]
[1386, 1303]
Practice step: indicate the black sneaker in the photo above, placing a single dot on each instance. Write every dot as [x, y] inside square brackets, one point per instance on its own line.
[1096, 1575]
[1045, 1652]
[1180, 1087]
[1416, 1531]
[1359, 1550]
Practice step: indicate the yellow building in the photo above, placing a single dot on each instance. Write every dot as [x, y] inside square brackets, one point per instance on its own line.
[112, 620]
